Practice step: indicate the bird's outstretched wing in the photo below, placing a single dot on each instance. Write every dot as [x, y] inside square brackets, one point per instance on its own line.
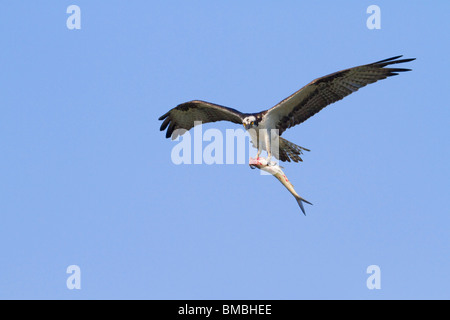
[323, 91]
[184, 115]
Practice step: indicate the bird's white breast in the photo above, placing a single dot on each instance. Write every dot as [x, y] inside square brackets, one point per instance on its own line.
[261, 132]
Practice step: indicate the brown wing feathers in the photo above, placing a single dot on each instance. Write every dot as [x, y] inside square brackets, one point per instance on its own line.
[326, 90]
[184, 115]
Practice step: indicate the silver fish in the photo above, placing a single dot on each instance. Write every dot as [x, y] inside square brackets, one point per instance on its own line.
[275, 170]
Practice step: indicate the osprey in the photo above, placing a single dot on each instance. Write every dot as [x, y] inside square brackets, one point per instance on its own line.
[267, 126]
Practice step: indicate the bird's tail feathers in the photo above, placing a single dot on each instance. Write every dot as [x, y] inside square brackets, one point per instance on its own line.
[290, 151]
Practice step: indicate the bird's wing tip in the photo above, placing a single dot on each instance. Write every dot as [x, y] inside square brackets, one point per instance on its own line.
[163, 116]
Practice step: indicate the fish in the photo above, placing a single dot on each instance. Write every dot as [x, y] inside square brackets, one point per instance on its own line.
[276, 170]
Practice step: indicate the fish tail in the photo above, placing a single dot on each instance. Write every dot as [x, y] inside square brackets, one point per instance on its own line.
[300, 201]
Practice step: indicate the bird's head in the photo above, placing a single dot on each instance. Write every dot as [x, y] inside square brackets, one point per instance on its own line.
[249, 122]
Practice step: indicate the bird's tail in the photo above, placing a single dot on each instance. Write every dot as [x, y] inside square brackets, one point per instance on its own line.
[290, 151]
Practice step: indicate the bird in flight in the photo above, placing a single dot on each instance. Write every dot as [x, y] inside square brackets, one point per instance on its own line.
[267, 126]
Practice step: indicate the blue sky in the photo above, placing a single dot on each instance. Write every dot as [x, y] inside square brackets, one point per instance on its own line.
[86, 176]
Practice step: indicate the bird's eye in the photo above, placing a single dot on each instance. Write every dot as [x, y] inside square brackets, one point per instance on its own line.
[252, 123]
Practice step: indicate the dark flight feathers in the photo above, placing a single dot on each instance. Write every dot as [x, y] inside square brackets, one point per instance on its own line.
[184, 115]
[326, 90]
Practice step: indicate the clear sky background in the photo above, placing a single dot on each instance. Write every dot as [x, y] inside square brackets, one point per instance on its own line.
[86, 177]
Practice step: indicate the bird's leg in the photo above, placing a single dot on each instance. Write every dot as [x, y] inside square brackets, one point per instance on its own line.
[257, 156]
[269, 151]
[259, 148]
